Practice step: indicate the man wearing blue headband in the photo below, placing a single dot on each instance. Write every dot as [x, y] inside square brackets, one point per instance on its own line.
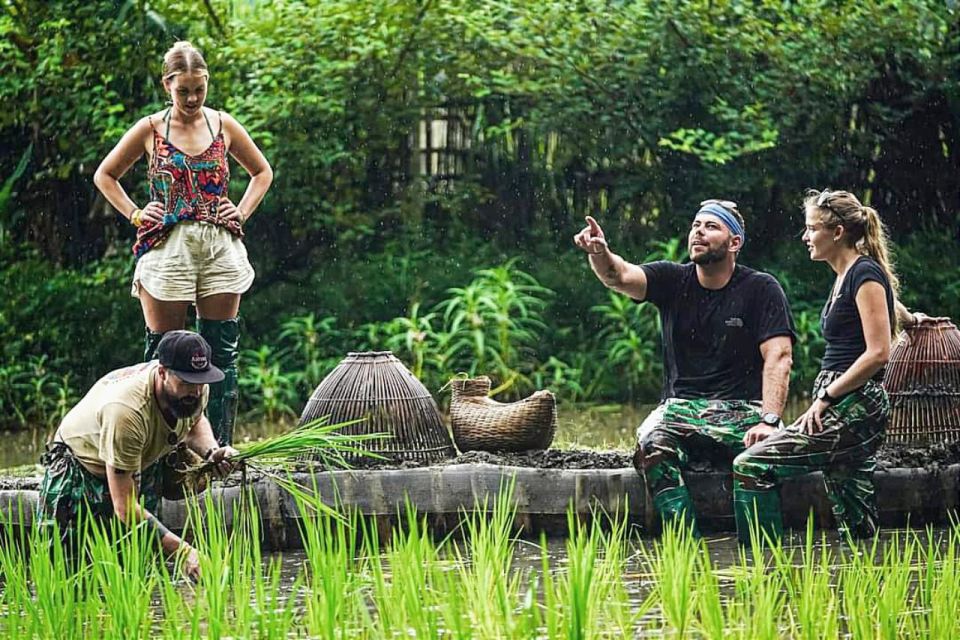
[727, 343]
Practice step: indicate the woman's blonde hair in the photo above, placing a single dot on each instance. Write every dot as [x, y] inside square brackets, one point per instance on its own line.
[183, 57]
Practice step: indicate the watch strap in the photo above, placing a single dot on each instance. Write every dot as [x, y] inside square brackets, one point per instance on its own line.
[770, 418]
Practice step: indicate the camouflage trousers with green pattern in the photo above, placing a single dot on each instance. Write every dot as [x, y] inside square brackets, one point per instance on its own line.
[853, 429]
[682, 430]
[68, 489]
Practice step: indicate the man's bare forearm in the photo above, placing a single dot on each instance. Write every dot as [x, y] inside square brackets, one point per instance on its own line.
[608, 267]
[200, 438]
[128, 509]
[776, 382]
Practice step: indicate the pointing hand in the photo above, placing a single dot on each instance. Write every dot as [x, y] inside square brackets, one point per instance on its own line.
[591, 238]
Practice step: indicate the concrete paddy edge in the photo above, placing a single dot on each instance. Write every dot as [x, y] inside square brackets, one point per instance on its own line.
[542, 497]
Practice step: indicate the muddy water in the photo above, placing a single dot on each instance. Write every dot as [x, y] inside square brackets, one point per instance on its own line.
[724, 552]
[527, 559]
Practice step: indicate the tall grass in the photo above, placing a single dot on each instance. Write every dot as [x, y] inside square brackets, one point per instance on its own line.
[352, 581]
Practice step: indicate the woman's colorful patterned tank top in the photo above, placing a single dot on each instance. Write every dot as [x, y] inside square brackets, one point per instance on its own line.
[190, 187]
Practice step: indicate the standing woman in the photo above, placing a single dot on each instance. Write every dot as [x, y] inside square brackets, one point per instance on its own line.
[189, 246]
[840, 432]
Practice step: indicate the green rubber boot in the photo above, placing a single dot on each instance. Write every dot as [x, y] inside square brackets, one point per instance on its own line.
[150, 341]
[758, 509]
[675, 505]
[224, 338]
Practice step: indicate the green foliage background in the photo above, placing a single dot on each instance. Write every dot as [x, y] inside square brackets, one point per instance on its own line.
[632, 111]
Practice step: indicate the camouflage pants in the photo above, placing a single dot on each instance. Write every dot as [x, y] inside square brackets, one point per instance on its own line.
[681, 430]
[69, 488]
[853, 429]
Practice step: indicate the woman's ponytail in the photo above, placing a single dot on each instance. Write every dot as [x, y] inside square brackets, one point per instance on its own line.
[875, 243]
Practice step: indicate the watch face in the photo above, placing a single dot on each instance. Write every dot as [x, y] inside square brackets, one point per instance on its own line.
[771, 419]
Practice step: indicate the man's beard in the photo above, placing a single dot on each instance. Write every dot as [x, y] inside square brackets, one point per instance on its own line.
[712, 256]
[184, 407]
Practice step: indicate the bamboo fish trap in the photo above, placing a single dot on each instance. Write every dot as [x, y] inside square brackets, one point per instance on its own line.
[375, 388]
[483, 424]
[923, 382]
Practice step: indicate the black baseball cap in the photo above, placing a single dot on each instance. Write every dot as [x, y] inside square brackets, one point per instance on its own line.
[187, 355]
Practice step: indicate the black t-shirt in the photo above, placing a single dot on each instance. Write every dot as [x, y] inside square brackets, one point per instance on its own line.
[711, 338]
[841, 325]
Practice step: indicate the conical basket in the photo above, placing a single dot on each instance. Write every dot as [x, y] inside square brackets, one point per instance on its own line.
[480, 423]
[923, 382]
[374, 386]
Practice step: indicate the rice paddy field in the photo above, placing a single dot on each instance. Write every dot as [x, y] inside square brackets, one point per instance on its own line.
[601, 581]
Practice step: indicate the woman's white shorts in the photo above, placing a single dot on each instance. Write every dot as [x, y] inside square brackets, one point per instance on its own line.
[195, 261]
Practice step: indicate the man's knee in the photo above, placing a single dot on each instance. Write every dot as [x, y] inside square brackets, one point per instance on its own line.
[656, 438]
[638, 459]
[655, 447]
[642, 455]
[652, 421]
[652, 443]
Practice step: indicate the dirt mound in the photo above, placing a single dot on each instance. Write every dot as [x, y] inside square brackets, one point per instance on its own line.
[19, 483]
[890, 456]
[547, 459]
[550, 459]
[931, 457]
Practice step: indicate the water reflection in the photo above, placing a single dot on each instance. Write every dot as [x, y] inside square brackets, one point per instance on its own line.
[728, 560]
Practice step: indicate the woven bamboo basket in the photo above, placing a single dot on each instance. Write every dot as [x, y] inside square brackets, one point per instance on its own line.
[923, 382]
[480, 423]
[376, 388]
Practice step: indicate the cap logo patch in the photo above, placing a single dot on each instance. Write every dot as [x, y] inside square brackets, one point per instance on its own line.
[198, 361]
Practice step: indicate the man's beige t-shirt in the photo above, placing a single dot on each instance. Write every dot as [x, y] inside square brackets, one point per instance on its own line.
[119, 422]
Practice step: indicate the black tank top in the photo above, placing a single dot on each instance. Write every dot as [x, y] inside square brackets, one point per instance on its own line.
[840, 321]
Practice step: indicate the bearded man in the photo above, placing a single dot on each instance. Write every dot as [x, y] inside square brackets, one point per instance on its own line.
[727, 343]
[107, 457]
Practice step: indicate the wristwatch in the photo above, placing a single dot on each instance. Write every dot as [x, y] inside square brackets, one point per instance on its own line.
[770, 419]
[824, 395]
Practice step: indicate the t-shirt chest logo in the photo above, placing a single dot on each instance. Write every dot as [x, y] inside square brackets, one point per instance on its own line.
[734, 322]
[199, 361]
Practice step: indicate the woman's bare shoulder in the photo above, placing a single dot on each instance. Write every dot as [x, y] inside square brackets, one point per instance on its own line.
[229, 122]
[232, 130]
[147, 123]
